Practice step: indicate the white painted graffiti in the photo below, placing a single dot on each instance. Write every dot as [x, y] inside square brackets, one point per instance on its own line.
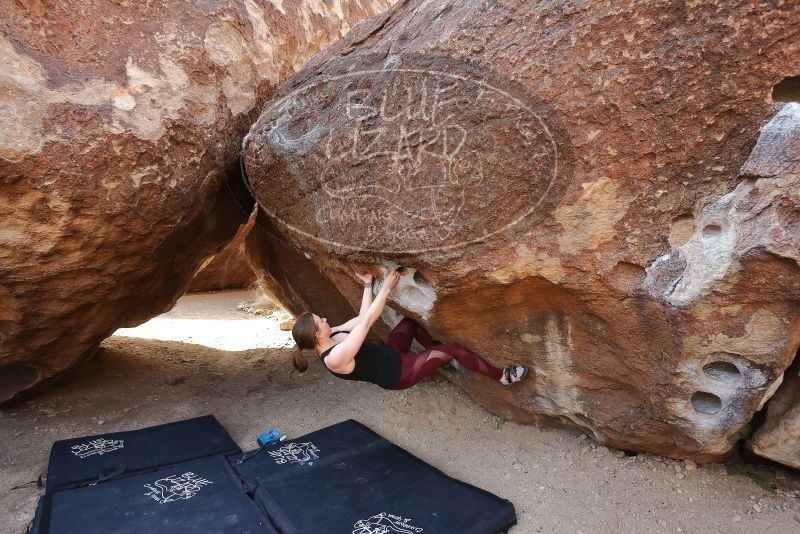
[430, 169]
[384, 523]
[98, 446]
[415, 159]
[175, 487]
[295, 453]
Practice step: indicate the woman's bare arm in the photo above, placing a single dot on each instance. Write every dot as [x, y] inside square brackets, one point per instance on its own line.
[343, 353]
[347, 326]
[366, 300]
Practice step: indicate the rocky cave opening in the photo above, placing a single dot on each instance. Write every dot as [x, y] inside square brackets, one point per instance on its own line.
[788, 90]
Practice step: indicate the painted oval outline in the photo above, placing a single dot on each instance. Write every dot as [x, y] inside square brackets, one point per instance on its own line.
[461, 79]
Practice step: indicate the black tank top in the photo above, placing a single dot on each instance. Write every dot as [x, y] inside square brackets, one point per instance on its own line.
[375, 363]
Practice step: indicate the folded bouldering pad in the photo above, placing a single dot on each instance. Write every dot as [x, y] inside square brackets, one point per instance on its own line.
[201, 496]
[80, 461]
[346, 478]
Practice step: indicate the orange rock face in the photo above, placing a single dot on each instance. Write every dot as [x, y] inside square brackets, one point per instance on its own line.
[564, 187]
[118, 122]
[229, 268]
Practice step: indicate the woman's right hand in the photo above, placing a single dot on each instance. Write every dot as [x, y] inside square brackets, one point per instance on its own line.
[391, 279]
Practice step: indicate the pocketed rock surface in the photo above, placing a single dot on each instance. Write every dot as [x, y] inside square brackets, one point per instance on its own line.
[606, 192]
[118, 123]
[558, 479]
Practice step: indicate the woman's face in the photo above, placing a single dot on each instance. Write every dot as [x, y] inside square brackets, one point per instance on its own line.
[323, 328]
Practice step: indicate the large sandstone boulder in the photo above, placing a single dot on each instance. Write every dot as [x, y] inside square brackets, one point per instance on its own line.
[563, 184]
[118, 122]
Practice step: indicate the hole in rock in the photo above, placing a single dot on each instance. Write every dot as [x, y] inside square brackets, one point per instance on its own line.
[15, 377]
[228, 321]
[711, 230]
[706, 403]
[681, 230]
[722, 371]
[626, 276]
[788, 90]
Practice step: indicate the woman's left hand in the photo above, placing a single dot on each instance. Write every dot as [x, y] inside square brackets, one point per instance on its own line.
[365, 277]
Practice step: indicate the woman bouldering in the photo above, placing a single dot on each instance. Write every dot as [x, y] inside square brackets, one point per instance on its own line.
[347, 354]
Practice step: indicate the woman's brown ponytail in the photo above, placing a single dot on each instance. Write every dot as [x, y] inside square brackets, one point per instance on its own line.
[303, 333]
[299, 361]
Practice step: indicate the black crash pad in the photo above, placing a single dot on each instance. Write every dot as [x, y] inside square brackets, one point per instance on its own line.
[79, 461]
[346, 478]
[202, 496]
[341, 479]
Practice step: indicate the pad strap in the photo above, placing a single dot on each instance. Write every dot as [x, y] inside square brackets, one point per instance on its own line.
[109, 472]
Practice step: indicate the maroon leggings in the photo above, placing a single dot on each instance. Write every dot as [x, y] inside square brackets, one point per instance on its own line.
[415, 367]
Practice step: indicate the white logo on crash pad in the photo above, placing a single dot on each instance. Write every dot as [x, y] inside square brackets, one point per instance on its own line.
[295, 453]
[384, 523]
[175, 487]
[98, 446]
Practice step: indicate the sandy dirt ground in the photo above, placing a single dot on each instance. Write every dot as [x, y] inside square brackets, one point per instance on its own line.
[207, 356]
